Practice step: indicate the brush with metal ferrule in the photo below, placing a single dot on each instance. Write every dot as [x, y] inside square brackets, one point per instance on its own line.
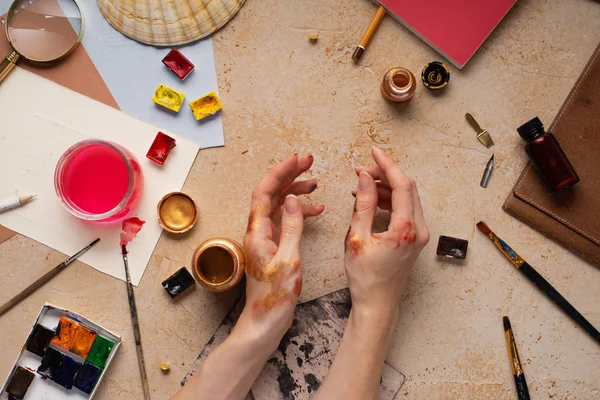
[539, 281]
[515, 362]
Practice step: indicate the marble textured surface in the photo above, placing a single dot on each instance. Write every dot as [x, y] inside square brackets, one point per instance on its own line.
[281, 94]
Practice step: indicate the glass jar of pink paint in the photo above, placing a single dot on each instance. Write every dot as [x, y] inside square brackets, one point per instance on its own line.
[97, 180]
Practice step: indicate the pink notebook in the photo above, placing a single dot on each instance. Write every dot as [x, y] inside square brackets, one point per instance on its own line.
[455, 28]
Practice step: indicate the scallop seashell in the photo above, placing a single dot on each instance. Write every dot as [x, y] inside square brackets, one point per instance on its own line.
[168, 22]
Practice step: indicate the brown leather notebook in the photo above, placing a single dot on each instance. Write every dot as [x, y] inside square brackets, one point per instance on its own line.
[571, 217]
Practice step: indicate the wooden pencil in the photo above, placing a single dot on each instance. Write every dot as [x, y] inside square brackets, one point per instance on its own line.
[136, 326]
[44, 279]
[539, 281]
[366, 38]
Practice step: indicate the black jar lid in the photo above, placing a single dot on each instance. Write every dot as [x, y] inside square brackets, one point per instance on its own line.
[531, 128]
[435, 75]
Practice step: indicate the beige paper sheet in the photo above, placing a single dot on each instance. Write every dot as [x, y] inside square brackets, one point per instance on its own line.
[41, 119]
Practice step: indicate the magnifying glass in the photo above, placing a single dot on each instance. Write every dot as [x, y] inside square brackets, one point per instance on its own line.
[41, 31]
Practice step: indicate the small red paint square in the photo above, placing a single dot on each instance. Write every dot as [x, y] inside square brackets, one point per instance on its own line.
[177, 63]
[161, 147]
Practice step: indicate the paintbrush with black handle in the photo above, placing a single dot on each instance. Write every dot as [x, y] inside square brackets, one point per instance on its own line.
[515, 362]
[539, 281]
[136, 326]
[44, 279]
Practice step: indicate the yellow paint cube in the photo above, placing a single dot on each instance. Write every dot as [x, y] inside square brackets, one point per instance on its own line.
[206, 105]
[168, 98]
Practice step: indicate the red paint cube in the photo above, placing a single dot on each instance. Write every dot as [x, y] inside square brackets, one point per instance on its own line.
[161, 147]
[177, 63]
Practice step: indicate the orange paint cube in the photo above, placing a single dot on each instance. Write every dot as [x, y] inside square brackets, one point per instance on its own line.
[84, 338]
[65, 332]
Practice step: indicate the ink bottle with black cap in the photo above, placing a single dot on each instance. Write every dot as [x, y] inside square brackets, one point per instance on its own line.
[547, 156]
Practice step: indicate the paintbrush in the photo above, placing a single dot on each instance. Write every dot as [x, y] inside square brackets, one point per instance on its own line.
[136, 326]
[45, 278]
[515, 362]
[539, 281]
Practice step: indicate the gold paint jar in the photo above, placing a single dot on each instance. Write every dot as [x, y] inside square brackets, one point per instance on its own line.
[218, 264]
[398, 85]
[177, 212]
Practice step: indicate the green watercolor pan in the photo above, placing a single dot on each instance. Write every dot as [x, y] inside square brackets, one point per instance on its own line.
[64, 356]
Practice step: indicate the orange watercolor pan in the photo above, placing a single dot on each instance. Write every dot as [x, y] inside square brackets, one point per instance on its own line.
[82, 342]
[65, 333]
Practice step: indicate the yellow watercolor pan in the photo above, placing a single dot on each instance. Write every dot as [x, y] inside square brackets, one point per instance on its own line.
[168, 98]
[206, 105]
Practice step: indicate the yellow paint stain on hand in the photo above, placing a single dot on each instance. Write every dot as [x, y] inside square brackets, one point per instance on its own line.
[357, 243]
[206, 105]
[275, 299]
[271, 269]
[168, 98]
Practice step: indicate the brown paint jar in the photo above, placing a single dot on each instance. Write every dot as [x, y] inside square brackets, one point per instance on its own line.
[218, 264]
[398, 85]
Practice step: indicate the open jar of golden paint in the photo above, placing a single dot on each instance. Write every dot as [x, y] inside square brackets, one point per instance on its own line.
[218, 264]
[177, 212]
[398, 85]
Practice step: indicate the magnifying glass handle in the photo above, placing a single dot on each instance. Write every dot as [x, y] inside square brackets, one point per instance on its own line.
[8, 64]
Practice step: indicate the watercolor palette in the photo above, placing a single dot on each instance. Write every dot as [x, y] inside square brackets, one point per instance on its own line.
[65, 357]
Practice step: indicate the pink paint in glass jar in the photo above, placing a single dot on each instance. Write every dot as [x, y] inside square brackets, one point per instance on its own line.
[100, 181]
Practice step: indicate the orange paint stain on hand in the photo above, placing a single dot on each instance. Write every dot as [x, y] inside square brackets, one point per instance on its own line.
[253, 221]
[411, 237]
[273, 300]
[274, 274]
[283, 280]
[404, 232]
[355, 243]
[256, 215]
[255, 265]
[298, 287]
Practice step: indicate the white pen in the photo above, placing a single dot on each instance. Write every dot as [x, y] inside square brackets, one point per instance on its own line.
[9, 204]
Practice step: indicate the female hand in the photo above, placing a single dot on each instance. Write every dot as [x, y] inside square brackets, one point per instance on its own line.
[274, 281]
[378, 264]
[272, 246]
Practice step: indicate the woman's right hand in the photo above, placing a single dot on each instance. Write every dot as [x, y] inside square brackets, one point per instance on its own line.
[378, 264]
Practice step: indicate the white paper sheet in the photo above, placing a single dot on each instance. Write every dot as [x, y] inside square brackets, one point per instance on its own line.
[40, 120]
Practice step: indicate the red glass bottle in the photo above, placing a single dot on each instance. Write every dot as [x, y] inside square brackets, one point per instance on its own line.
[547, 156]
